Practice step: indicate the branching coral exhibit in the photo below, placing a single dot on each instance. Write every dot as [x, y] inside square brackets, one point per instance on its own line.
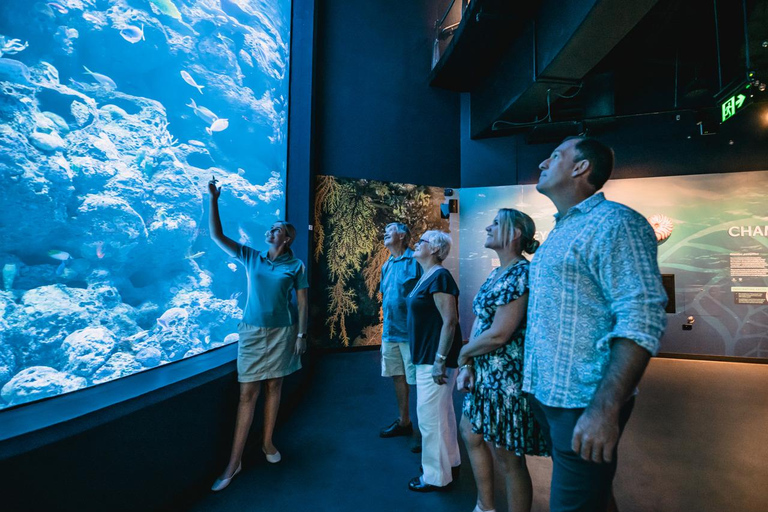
[349, 220]
[113, 116]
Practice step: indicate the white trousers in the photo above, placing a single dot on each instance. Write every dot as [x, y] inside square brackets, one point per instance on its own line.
[437, 423]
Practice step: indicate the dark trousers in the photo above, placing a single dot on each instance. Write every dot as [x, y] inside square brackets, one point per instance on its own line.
[577, 485]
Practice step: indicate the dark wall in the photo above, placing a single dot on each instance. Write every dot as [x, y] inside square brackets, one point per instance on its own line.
[377, 117]
[300, 145]
[645, 146]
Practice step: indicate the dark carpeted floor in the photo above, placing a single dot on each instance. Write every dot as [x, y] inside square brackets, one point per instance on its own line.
[697, 441]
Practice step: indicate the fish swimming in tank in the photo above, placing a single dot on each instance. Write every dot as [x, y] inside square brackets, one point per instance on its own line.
[90, 18]
[56, 6]
[133, 34]
[168, 8]
[63, 257]
[202, 112]
[172, 318]
[219, 125]
[104, 80]
[191, 81]
[232, 266]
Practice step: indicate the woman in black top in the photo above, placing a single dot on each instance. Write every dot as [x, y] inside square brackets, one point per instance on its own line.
[433, 329]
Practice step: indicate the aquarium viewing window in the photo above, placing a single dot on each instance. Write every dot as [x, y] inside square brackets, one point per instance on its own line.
[114, 114]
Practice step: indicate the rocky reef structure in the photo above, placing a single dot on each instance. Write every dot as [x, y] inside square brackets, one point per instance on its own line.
[106, 263]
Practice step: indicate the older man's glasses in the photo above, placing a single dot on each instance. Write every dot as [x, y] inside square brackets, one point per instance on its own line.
[421, 241]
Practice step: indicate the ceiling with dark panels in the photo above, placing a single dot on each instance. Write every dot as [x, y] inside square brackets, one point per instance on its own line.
[670, 59]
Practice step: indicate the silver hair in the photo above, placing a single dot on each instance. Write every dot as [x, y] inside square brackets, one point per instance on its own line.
[402, 229]
[439, 241]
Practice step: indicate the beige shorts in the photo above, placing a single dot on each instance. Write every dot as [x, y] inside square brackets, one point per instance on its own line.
[396, 360]
[266, 352]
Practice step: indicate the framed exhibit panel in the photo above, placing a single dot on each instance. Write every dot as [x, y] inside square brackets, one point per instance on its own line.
[712, 231]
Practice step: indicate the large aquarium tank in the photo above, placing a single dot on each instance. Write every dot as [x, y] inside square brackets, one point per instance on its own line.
[114, 115]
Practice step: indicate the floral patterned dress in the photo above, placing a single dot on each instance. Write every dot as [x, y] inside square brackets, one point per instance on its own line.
[497, 408]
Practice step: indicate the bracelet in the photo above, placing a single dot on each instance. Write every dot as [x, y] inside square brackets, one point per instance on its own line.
[441, 357]
[466, 366]
[302, 335]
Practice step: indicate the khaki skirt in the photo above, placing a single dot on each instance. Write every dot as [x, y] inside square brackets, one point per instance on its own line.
[266, 352]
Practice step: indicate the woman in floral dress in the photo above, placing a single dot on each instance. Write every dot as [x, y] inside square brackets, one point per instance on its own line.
[497, 423]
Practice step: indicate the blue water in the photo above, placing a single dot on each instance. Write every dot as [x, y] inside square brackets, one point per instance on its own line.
[114, 114]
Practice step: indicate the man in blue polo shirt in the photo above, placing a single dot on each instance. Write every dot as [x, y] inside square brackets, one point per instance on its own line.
[595, 317]
[398, 277]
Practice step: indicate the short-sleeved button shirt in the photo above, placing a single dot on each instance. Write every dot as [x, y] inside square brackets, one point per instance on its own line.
[270, 284]
[398, 277]
[425, 321]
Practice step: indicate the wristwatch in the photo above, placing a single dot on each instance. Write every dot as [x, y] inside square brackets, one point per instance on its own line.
[301, 335]
[441, 357]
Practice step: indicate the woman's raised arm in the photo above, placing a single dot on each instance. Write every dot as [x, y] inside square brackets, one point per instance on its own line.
[214, 222]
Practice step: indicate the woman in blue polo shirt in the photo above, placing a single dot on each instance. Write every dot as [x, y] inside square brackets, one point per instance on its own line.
[271, 343]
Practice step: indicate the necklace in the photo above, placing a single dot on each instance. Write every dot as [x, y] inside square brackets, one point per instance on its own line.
[424, 278]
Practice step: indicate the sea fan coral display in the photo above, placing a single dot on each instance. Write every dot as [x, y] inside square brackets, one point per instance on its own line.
[350, 216]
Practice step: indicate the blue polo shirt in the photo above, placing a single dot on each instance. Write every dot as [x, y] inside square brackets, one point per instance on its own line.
[270, 284]
[398, 277]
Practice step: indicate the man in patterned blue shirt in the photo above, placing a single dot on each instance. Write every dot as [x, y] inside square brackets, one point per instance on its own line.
[595, 317]
[399, 275]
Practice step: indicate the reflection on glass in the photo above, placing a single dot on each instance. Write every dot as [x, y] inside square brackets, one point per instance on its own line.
[114, 114]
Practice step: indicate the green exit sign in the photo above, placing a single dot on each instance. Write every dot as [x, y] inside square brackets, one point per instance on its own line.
[736, 100]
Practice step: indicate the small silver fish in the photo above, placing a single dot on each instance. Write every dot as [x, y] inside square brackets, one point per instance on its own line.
[193, 142]
[59, 255]
[202, 112]
[91, 18]
[191, 81]
[133, 34]
[232, 267]
[195, 256]
[58, 7]
[104, 80]
[44, 9]
[219, 125]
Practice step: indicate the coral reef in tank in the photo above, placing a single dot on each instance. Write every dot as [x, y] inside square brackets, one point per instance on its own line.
[349, 220]
[113, 116]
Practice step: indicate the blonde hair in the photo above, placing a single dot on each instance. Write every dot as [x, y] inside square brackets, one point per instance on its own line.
[439, 241]
[511, 219]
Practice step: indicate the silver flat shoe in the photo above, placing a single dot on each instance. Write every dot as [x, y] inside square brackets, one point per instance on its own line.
[273, 458]
[221, 483]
